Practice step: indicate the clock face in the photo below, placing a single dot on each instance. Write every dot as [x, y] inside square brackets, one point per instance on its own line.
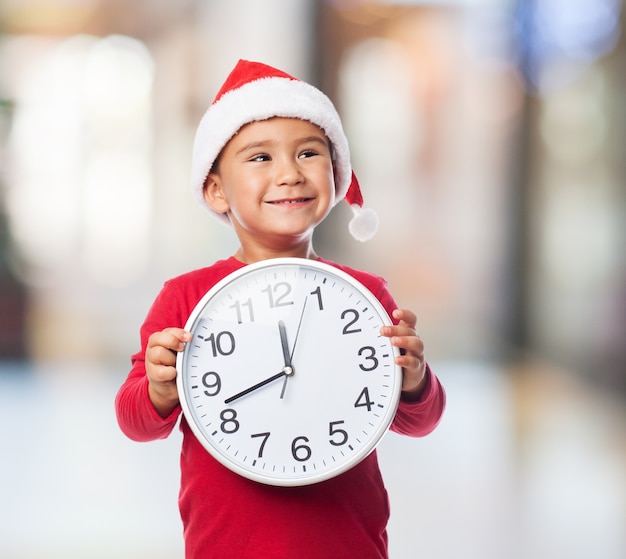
[287, 379]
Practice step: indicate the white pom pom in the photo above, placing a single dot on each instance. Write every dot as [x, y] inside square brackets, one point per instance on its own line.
[364, 224]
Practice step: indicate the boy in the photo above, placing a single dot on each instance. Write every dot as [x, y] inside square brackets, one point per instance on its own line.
[271, 160]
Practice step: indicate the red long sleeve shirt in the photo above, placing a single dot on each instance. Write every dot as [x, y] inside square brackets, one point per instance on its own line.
[227, 516]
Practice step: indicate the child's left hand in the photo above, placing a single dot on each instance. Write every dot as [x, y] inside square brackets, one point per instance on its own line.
[412, 359]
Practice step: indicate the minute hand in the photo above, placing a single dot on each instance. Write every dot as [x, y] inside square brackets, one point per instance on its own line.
[283, 373]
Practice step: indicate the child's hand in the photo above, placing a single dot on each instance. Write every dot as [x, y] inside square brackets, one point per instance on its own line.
[411, 347]
[161, 367]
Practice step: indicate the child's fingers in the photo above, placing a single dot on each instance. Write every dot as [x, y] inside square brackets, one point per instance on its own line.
[171, 338]
[408, 361]
[412, 344]
[160, 355]
[405, 317]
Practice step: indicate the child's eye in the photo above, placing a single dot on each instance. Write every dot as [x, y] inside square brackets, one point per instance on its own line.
[260, 157]
[308, 153]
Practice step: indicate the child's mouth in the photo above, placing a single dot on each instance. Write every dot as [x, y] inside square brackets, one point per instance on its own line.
[291, 202]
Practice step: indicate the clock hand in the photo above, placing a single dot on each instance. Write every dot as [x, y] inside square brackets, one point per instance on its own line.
[282, 392]
[287, 371]
[286, 355]
[283, 341]
[293, 349]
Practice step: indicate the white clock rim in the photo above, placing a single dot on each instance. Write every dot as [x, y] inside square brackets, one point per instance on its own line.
[254, 475]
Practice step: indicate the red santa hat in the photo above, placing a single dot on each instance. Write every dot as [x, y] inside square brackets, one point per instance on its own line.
[255, 91]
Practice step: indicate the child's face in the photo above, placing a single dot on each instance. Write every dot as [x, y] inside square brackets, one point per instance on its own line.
[275, 180]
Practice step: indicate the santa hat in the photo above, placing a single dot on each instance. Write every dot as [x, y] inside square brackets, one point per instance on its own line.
[255, 91]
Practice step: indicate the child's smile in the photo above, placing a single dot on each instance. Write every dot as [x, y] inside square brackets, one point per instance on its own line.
[291, 202]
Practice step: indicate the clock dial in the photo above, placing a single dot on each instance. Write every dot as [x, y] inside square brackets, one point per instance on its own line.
[287, 379]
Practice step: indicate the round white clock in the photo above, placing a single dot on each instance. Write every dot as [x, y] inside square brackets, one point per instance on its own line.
[287, 379]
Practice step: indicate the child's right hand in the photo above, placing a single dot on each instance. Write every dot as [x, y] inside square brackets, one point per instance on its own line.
[161, 367]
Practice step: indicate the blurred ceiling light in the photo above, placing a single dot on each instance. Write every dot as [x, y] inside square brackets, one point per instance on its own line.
[79, 189]
[118, 76]
[117, 189]
[558, 39]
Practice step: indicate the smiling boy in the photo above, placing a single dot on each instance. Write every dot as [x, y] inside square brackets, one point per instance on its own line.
[271, 160]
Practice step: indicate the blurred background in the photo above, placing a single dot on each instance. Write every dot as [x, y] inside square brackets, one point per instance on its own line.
[489, 135]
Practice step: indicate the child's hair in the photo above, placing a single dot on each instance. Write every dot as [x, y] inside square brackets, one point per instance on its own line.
[254, 91]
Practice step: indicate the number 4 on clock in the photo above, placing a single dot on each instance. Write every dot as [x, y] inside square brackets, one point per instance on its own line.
[363, 401]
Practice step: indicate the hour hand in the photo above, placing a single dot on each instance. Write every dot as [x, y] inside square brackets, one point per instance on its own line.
[283, 341]
[286, 356]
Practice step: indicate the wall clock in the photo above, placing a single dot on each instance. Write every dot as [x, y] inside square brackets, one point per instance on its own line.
[287, 380]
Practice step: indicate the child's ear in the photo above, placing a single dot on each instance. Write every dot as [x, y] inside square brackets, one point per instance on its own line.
[213, 194]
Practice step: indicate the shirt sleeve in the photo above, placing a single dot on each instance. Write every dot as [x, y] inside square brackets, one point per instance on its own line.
[420, 417]
[136, 416]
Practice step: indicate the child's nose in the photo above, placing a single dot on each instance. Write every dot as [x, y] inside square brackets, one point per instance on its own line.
[288, 172]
